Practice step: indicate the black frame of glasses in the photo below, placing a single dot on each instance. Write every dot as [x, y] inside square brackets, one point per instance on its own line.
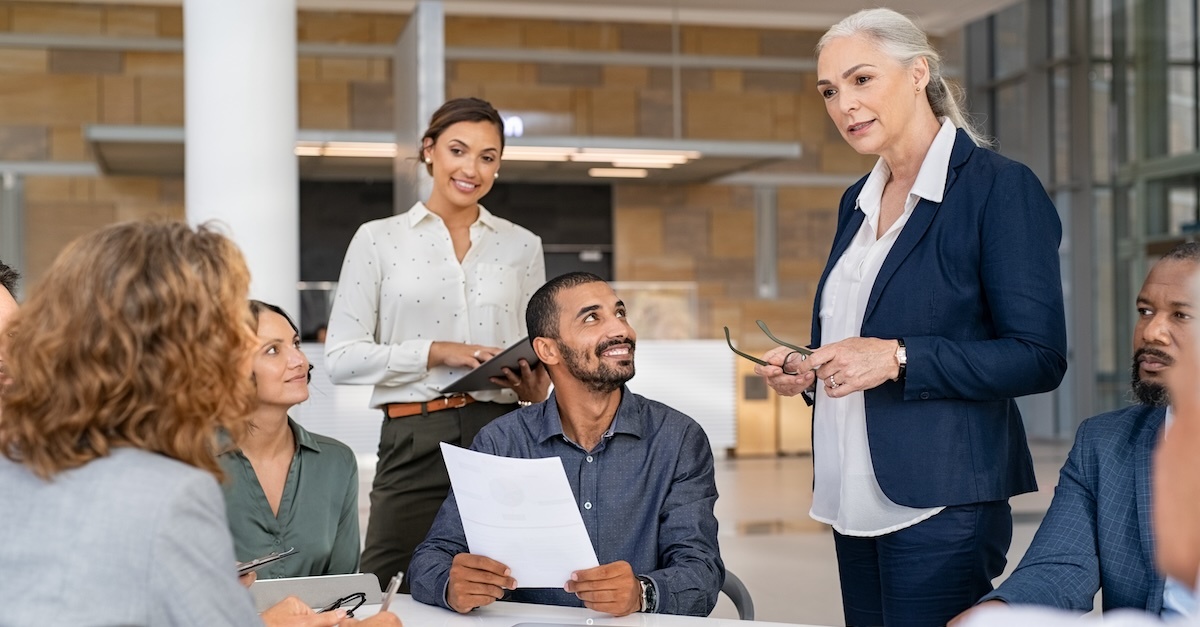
[361, 597]
[796, 350]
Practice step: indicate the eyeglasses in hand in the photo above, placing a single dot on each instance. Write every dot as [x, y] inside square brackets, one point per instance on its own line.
[790, 362]
[356, 599]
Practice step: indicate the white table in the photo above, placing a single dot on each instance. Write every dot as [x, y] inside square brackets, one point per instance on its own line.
[506, 614]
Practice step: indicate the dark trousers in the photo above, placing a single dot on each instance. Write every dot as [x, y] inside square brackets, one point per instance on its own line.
[925, 574]
[411, 482]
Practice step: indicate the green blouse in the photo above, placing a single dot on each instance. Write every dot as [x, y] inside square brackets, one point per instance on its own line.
[318, 513]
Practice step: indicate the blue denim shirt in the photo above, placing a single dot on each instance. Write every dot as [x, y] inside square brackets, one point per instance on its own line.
[646, 493]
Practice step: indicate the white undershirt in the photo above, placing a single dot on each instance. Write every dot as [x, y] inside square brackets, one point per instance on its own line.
[402, 288]
[846, 494]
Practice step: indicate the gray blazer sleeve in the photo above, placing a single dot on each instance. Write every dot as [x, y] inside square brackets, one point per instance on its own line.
[192, 577]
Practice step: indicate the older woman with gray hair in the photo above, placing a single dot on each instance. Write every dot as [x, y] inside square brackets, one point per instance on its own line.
[940, 303]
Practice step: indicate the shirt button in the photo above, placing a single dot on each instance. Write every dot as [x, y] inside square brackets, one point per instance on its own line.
[589, 458]
[924, 396]
[587, 505]
[277, 542]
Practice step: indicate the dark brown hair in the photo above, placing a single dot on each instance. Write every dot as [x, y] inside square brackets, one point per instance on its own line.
[460, 110]
[137, 336]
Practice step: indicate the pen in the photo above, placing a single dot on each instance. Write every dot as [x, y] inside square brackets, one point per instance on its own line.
[391, 591]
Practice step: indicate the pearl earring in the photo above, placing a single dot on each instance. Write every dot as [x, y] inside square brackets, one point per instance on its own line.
[428, 161]
[496, 175]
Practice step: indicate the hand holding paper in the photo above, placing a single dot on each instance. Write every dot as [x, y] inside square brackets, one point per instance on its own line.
[520, 513]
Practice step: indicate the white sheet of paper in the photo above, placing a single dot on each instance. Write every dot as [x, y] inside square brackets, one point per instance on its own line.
[521, 513]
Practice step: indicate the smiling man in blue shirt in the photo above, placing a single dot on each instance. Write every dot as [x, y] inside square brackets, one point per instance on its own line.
[641, 472]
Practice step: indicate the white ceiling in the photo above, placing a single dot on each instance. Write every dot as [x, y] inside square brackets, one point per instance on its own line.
[936, 16]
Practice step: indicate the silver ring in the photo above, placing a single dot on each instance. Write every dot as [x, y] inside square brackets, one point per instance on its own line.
[833, 384]
[476, 354]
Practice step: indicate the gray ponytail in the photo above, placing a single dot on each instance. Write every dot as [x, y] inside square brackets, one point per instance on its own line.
[899, 38]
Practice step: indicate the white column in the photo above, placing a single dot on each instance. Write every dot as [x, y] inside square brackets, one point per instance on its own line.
[240, 97]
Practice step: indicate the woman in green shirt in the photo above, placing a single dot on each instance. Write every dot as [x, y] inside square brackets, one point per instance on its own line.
[287, 487]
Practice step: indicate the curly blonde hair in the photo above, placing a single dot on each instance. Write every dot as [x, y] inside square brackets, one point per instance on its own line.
[138, 336]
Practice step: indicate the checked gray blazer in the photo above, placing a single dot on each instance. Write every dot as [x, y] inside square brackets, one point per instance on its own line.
[1096, 534]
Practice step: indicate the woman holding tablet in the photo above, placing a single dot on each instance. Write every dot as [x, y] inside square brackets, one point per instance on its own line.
[423, 298]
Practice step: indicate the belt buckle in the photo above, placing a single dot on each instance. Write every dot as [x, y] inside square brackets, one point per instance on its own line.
[457, 401]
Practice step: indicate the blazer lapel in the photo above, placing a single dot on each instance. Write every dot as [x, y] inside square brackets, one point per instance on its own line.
[918, 223]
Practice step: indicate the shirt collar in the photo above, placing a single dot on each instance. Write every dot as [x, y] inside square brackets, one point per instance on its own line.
[629, 419]
[303, 437]
[419, 212]
[931, 178]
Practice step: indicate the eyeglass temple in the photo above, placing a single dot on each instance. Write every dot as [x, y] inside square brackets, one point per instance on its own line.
[752, 358]
[799, 349]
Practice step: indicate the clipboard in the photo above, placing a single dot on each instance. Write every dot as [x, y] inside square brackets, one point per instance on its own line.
[480, 378]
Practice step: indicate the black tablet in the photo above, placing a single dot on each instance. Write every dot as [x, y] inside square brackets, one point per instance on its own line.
[480, 378]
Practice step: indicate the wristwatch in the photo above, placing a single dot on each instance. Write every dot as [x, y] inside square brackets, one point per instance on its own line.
[901, 358]
[649, 595]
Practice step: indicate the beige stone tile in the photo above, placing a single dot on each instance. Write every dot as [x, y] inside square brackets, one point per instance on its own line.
[386, 29]
[486, 71]
[50, 226]
[614, 112]
[160, 100]
[63, 19]
[140, 211]
[67, 144]
[139, 63]
[334, 27]
[789, 43]
[656, 113]
[716, 40]
[723, 115]
[126, 190]
[644, 37]
[170, 22]
[307, 68]
[783, 108]
[685, 232]
[171, 190]
[463, 89]
[73, 61]
[381, 70]
[24, 143]
[637, 232]
[482, 32]
[625, 76]
[118, 100]
[731, 234]
[727, 80]
[663, 268]
[48, 99]
[840, 158]
[522, 98]
[775, 81]
[660, 78]
[5, 19]
[372, 106]
[40, 189]
[128, 21]
[582, 124]
[544, 34]
[344, 69]
[324, 104]
[809, 198]
[569, 75]
[23, 61]
[594, 36]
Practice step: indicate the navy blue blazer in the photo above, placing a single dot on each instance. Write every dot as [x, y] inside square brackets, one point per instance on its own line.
[972, 286]
[1097, 533]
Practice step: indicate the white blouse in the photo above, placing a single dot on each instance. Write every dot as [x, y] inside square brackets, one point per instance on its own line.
[402, 288]
[846, 494]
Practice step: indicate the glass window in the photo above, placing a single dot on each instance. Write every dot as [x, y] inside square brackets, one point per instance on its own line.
[1010, 121]
[1011, 28]
[1061, 123]
[1181, 208]
[1181, 110]
[1060, 30]
[1102, 121]
[1102, 29]
[1181, 36]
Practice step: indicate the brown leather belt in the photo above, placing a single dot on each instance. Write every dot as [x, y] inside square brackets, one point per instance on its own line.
[404, 410]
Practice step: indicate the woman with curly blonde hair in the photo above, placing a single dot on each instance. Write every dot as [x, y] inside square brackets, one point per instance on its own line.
[126, 360]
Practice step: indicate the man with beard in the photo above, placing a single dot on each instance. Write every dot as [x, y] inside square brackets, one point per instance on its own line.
[641, 473]
[1097, 533]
